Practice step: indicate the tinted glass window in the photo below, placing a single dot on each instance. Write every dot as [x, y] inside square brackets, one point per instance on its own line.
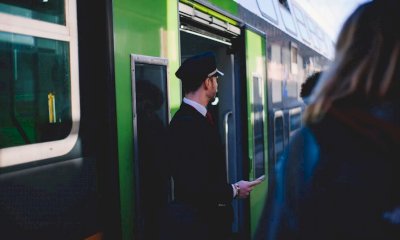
[152, 118]
[35, 90]
[151, 89]
[44, 10]
[295, 122]
[258, 112]
[278, 137]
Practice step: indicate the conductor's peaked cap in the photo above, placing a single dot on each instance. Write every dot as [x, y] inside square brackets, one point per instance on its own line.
[198, 67]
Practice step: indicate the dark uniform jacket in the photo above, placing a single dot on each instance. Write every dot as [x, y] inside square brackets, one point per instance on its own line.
[197, 165]
[340, 178]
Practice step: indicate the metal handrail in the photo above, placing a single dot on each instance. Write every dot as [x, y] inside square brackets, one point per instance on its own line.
[226, 125]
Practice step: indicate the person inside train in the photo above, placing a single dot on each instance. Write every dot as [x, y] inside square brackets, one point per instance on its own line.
[340, 177]
[308, 86]
[202, 207]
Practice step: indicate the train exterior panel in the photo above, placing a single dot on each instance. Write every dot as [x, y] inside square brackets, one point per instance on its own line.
[77, 85]
[257, 126]
[145, 28]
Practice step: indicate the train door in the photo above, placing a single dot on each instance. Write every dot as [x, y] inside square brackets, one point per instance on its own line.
[151, 116]
[257, 124]
[197, 36]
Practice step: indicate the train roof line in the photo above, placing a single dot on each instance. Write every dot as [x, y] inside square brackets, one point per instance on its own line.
[292, 19]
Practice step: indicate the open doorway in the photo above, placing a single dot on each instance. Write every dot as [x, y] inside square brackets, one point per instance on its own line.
[225, 109]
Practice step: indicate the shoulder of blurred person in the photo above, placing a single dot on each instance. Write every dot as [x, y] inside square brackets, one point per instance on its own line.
[293, 175]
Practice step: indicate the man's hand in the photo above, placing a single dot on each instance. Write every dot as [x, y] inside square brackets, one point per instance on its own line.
[245, 187]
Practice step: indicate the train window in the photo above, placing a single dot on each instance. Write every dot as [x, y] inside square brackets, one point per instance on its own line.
[276, 91]
[150, 79]
[45, 10]
[293, 58]
[285, 4]
[324, 42]
[39, 85]
[288, 20]
[292, 89]
[299, 14]
[35, 95]
[294, 120]
[258, 115]
[267, 9]
[150, 107]
[313, 31]
[294, 53]
[279, 139]
[321, 40]
[301, 24]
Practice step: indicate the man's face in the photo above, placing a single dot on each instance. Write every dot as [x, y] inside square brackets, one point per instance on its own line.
[214, 86]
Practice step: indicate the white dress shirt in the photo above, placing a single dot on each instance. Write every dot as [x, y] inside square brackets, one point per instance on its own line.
[200, 108]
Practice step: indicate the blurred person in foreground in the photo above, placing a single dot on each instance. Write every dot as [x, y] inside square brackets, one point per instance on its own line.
[340, 177]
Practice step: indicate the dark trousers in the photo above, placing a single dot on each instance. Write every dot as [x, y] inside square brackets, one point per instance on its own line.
[183, 222]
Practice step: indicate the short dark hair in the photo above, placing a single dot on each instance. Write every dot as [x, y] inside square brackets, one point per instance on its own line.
[309, 84]
[191, 85]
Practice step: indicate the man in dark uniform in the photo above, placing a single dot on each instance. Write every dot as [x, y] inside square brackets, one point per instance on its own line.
[202, 195]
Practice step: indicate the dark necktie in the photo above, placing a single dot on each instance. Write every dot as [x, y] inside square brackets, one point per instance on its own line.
[209, 118]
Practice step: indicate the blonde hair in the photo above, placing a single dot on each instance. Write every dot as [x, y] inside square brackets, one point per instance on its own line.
[367, 60]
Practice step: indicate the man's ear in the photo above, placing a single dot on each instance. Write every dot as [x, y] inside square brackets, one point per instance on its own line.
[207, 84]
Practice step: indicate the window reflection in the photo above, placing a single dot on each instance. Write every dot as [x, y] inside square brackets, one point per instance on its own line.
[278, 136]
[258, 113]
[44, 10]
[35, 92]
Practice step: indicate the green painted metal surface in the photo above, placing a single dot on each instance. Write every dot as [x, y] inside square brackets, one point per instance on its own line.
[147, 28]
[255, 65]
[229, 6]
[214, 13]
[174, 84]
